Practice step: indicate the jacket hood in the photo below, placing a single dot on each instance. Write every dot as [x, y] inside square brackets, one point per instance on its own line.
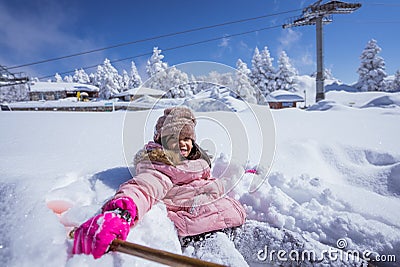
[154, 152]
[180, 170]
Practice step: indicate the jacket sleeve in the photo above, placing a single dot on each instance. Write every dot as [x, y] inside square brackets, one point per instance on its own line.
[145, 189]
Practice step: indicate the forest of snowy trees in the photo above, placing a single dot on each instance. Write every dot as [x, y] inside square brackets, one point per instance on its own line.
[261, 75]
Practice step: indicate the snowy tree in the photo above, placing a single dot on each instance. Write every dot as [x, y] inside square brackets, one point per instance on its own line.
[91, 78]
[225, 79]
[81, 76]
[156, 70]
[395, 86]
[155, 63]
[285, 74]
[107, 79]
[135, 81]
[194, 84]
[222, 80]
[372, 69]
[58, 78]
[215, 93]
[13, 93]
[125, 81]
[68, 79]
[327, 74]
[177, 83]
[98, 76]
[243, 87]
[170, 80]
[263, 73]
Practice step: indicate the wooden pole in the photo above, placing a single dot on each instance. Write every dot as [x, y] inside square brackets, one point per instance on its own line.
[158, 255]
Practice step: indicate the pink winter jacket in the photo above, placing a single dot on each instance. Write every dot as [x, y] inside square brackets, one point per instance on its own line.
[195, 201]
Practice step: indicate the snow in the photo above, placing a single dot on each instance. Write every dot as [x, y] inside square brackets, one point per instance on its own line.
[283, 95]
[335, 174]
[61, 86]
[141, 91]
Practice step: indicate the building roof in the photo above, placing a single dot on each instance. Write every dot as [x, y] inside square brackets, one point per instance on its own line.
[61, 86]
[141, 91]
[284, 96]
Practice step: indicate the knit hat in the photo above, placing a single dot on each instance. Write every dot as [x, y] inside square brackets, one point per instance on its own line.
[177, 121]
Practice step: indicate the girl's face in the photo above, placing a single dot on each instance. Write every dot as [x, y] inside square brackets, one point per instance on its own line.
[184, 145]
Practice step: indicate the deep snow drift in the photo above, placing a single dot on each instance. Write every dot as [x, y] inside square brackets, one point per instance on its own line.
[335, 175]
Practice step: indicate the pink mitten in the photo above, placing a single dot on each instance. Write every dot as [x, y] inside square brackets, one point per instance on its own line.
[124, 204]
[96, 234]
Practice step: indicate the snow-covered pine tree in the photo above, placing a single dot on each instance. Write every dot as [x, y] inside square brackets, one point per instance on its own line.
[81, 76]
[327, 74]
[243, 86]
[285, 74]
[195, 85]
[14, 93]
[171, 80]
[372, 69]
[58, 78]
[135, 80]
[155, 65]
[256, 74]
[263, 73]
[91, 78]
[125, 80]
[107, 79]
[395, 85]
[269, 70]
[68, 79]
[179, 85]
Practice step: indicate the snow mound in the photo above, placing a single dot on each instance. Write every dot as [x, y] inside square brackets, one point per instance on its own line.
[204, 101]
[217, 99]
[386, 101]
[335, 176]
[325, 105]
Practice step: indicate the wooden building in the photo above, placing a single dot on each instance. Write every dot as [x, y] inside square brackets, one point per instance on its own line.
[44, 91]
[283, 99]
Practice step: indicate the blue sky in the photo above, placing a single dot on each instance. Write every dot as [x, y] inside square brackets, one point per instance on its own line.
[34, 30]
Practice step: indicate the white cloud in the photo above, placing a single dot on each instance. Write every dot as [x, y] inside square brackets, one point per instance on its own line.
[288, 38]
[30, 32]
[307, 59]
[35, 32]
[224, 42]
[224, 46]
[304, 61]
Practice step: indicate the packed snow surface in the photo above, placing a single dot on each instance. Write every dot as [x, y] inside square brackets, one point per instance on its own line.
[335, 176]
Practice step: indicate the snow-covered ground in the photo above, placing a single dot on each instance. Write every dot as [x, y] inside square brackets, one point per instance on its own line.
[335, 175]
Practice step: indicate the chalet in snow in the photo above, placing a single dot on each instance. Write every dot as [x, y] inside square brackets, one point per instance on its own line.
[283, 99]
[60, 90]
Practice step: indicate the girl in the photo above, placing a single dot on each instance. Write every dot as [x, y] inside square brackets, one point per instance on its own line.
[172, 169]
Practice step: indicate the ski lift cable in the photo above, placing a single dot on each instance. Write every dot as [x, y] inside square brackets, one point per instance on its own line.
[151, 38]
[173, 48]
